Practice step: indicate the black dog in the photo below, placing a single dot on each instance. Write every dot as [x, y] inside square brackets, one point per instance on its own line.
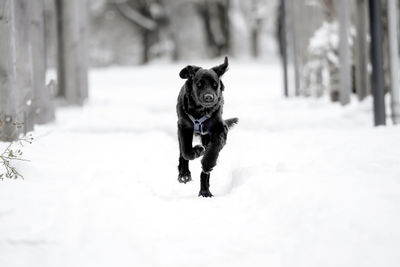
[199, 108]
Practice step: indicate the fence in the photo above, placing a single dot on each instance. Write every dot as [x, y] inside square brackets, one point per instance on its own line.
[327, 47]
[25, 99]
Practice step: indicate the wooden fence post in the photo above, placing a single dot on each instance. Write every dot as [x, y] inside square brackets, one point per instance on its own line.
[42, 104]
[72, 50]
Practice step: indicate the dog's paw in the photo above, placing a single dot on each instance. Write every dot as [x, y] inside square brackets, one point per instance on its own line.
[199, 151]
[205, 193]
[184, 177]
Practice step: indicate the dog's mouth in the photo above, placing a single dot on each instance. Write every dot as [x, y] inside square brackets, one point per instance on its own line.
[207, 104]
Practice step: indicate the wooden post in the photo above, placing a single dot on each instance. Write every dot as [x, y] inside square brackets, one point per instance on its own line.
[377, 62]
[9, 104]
[361, 51]
[72, 50]
[394, 60]
[42, 104]
[344, 54]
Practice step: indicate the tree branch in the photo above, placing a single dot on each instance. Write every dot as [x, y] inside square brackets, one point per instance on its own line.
[131, 14]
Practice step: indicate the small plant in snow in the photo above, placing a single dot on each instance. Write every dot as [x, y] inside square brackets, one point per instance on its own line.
[12, 154]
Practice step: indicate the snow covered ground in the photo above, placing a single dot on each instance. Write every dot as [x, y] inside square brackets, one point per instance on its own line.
[301, 182]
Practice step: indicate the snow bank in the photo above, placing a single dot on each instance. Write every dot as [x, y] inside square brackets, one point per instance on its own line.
[301, 182]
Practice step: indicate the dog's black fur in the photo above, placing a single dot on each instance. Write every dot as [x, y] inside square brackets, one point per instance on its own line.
[201, 95]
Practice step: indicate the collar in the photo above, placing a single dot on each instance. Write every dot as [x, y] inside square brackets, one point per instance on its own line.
[198, 124]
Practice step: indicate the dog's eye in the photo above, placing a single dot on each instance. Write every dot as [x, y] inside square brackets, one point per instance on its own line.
[215, 85]
[199, 84]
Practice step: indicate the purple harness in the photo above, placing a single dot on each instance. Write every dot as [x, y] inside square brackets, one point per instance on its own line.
[198, 124]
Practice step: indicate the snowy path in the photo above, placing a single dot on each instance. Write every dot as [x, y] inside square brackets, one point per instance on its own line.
[301, 182]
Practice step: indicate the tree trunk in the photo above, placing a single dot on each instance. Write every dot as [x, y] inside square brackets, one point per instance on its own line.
[344, 54]
[361, 51]
[9, 114]
[42, 104]
[72, 50]
[215, 17]
[378, 91]
[394, 60]
[283, 44]
[295, 43]
[23, 62]
[255, 33]
[145, 46]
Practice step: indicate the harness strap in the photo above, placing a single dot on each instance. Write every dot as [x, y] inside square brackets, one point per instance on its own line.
[198, 124]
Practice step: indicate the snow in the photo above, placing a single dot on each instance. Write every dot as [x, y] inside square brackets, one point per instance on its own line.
[301, 182]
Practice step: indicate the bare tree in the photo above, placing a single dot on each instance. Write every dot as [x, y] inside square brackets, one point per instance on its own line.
[150, 17]
[216, 22]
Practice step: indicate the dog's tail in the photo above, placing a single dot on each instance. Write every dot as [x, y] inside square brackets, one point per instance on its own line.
[231, 122]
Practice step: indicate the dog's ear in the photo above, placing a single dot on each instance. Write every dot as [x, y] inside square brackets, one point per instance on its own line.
[221, 69]
[222, 85]
[188, 71]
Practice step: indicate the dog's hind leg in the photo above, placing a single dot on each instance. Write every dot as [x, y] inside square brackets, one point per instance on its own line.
[184, 175]
[205, 185]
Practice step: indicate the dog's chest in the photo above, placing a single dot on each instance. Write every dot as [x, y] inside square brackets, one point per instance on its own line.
[196, 140]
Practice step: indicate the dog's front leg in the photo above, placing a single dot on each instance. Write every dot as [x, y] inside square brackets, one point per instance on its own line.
[185, 136]
[217, 142]
[184, 175]
[188, 152]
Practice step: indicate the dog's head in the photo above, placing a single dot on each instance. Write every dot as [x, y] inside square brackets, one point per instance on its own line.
[206, 84]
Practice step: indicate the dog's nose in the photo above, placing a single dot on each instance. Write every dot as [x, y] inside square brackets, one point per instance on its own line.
[208, 97]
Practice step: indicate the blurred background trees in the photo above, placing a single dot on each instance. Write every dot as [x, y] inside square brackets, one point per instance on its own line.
[126, 32]
[47, 46]
[342, 47]
[330, 47]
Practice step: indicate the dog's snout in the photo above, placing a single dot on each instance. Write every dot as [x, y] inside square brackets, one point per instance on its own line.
[208, 97]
